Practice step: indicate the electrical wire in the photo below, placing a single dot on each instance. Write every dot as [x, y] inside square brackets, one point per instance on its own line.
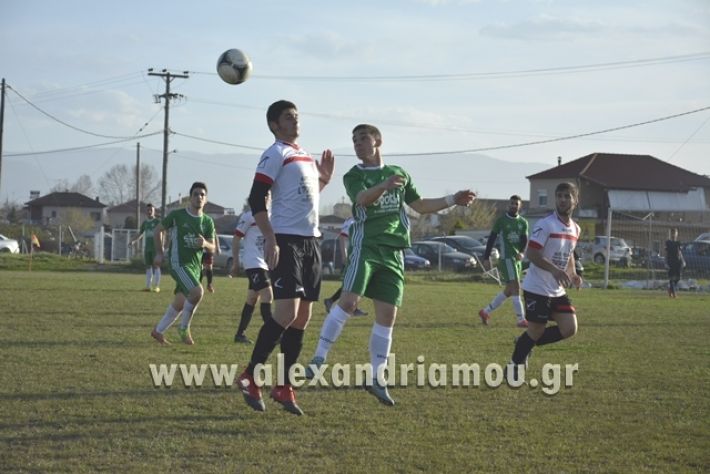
[43, 112]
[495, 74]
[491, 148]
[86, 147]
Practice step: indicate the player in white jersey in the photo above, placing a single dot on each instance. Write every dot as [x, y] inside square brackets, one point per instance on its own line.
[291, 248]
[551, 271]
[343, 243]
[256, 269]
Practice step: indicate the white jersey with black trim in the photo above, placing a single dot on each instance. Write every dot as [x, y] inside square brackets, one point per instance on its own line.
[253, 242]
[295, 191]
[557, 241]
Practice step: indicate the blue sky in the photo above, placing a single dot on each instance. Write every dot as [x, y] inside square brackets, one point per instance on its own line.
[344, 63]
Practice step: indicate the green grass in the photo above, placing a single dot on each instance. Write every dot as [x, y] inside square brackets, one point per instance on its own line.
[76, 394]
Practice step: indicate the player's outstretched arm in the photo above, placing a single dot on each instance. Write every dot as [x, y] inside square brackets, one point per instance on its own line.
[427, 206]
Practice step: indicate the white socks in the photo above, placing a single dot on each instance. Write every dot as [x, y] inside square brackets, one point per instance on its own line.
[518, 307]
[332, 327]
[152, 274]
[497, 301]
[188, 309]
[171, 314]
[380, 345]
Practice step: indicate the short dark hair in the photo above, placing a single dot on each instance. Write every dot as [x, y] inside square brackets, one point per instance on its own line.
[198, 185]
[274, 111]
[367, 128]
[149, 205]
[567, 186]
[515, 197]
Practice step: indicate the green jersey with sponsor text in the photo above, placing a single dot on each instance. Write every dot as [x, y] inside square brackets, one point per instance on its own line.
[510, 230]
[184, 229]
[147, 228]
[385, 221]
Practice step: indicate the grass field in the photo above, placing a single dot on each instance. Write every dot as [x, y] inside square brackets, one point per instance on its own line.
[77, 395]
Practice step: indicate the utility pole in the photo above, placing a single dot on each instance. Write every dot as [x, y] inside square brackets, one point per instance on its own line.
[2, 122]
[138, 185]
[167, 77]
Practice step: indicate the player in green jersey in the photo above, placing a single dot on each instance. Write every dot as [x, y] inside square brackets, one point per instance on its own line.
[378, 237]
[152, 273]
[188, 229]
[513, 231]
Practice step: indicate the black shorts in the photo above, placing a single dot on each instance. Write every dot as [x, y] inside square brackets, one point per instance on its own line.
[207, 258]
[674, 272]
[298, 273]
[258, 278]
[539, 308]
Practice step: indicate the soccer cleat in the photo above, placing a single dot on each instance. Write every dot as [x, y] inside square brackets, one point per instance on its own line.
[185, 336]
[159, 337]
[156, 290]
[328, 303]
[380, 391]
[241, 338]
[210, 288]
[485, 317]
[251, 392]
[285, 396]
[522, 323]
[316, 362]
[359, 312]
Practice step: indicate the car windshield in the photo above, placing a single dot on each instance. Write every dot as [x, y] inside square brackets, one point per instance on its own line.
[618, 242]
[445, 248]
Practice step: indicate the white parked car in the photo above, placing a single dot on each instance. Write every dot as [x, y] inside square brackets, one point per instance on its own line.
[8, 245]
[619, 251]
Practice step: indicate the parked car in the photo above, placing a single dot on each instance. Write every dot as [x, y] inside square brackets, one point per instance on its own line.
[451, 259]
[619, 251]
[223, 260]
[8, 245]
[468, 245]
[703, 236]
[412, 261]
[697, 257]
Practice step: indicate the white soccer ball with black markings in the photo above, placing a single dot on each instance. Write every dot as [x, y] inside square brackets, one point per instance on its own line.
[234, 66]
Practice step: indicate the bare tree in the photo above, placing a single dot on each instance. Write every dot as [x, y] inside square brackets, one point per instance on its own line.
[118, 184]
[476, 216]
[82, 185]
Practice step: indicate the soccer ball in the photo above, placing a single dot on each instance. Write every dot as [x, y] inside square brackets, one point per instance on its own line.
[234, 66]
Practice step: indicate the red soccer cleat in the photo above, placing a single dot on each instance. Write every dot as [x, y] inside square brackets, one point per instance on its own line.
[285, 396]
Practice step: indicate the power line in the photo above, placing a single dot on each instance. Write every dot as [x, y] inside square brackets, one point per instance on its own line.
[498, 147]
[559, 139]
[495, 74]
[86, 147]
[43, 112]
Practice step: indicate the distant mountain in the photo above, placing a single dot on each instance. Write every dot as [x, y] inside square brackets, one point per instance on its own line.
[229, 176]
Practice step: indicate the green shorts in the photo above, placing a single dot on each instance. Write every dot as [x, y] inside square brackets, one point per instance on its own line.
[377, 273]
[510, 269]
[149, 256]
[186, 278]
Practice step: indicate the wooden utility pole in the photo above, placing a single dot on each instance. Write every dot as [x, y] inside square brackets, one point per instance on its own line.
[167, 77]
[138, 185]
[2, 123]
